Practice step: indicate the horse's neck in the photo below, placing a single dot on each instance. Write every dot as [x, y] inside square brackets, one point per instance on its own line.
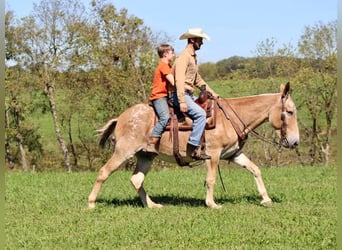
[253, 110]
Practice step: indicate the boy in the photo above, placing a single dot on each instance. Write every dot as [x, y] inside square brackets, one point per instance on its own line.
[162, 80]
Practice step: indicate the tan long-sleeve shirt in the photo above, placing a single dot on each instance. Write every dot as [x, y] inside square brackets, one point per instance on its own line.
[186, 73]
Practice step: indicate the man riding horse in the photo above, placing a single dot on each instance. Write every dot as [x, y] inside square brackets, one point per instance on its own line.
[186, 78]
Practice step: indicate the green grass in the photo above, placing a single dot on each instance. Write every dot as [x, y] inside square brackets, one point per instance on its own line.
[48, 211]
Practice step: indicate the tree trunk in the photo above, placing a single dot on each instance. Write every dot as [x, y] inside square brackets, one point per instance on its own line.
[72, 145]
[7, 145]
[267, 154]
[8, 155]
[326, 147]
[50, 96]
[22, 152]
[16, 114]
[88, 150]
[313, 142]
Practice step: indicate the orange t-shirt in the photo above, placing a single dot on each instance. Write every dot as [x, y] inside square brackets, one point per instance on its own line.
[160, 83]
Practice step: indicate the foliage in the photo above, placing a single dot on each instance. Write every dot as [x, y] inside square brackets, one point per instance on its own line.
[78, 60]
[21, 134]
[209, 70]
[48, 211]
[318, 77]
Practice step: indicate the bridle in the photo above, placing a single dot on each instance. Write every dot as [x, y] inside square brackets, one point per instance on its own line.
[283, 129]
[243, 133]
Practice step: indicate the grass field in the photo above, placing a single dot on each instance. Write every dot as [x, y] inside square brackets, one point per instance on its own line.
[48, 211]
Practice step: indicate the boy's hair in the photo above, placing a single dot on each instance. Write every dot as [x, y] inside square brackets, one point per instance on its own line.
[163, 48]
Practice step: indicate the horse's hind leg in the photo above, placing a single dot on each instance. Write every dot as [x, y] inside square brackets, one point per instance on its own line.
[112, 164]
[143, 164]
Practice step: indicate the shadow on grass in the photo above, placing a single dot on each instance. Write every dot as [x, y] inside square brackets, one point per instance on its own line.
[185, 201]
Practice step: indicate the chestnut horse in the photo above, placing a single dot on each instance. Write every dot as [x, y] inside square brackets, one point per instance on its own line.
[131, 130]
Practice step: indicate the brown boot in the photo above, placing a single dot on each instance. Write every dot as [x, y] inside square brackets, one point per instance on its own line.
[196, 153]
[151, 145]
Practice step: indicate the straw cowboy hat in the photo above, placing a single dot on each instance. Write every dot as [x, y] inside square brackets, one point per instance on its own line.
[194, 32]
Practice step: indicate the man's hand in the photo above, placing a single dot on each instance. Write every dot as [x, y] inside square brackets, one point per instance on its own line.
[213, 95]
[183, 107]
[189, 89]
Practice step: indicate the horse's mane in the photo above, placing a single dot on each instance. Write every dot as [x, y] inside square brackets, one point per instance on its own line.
[251, 96]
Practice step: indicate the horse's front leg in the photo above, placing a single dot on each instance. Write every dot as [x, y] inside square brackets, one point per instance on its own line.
[243, 160]
[143, 164]
[211, 166]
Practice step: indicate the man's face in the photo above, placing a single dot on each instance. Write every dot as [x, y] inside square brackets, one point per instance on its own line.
[198, 41]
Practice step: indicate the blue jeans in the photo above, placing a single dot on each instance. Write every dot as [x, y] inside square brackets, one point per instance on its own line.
[162, 109]
[198, 116]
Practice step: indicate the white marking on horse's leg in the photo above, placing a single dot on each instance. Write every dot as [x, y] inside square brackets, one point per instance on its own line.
[137, 180]
[243, 160]
[210, 181]
[146, 200]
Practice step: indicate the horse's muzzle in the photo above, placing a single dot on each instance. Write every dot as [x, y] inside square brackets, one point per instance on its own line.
[290, 142]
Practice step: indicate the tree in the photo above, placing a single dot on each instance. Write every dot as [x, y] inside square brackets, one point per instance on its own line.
[208, 71]
[44, 41]
[266, 52]
[19, 101]
[53, 37]
[318, 46]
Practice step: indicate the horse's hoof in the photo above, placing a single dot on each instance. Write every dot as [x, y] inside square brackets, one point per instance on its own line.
[213, 205]
[91, 205]
[267, 203]
[217, 206]
[155, 205]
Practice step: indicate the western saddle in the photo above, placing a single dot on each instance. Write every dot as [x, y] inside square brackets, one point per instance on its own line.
[180, 121]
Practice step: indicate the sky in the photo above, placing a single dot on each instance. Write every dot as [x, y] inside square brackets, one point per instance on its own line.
[235, 27]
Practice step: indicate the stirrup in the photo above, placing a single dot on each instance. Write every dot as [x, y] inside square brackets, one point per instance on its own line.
[202, 156]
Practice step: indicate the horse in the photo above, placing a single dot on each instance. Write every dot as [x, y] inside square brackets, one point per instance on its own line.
[235, 119]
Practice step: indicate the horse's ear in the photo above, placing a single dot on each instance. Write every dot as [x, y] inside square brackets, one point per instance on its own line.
[285, 89]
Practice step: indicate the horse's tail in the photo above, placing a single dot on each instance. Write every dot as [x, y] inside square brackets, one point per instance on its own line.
[106, 131]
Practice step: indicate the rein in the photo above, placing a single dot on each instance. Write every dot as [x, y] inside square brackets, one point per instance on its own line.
[241, 134]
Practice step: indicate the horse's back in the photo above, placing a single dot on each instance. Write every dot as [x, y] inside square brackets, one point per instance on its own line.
[135, 121]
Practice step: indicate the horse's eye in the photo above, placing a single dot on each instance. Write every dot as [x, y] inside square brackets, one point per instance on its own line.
[289, 112]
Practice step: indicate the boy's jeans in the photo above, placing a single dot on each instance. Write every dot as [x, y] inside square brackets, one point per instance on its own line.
[162, 109]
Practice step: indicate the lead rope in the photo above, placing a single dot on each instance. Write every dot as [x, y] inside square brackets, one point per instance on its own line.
[221, 179]
[222, 183]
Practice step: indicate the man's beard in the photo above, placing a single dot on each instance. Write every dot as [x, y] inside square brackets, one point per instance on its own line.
[196, 46]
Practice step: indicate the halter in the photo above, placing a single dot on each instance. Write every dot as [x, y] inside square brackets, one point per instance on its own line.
[283, 129]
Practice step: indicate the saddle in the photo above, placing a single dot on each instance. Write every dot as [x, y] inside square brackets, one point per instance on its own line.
[180, 121]
[184, 123]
